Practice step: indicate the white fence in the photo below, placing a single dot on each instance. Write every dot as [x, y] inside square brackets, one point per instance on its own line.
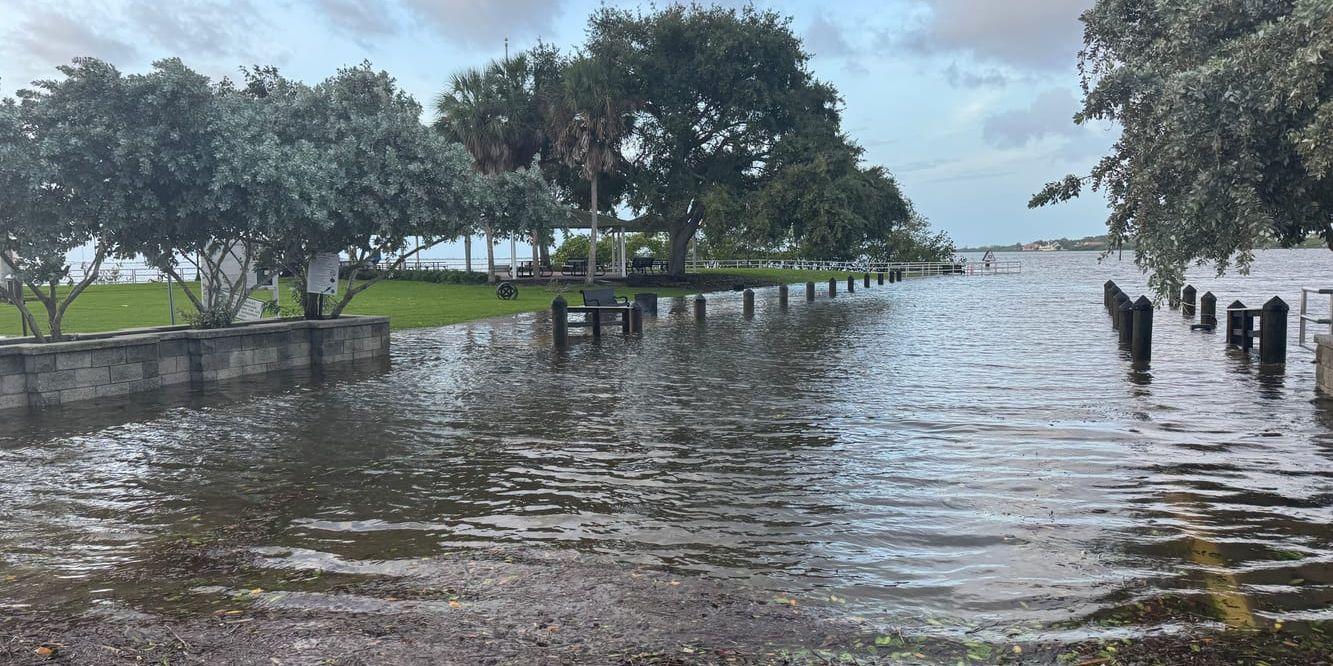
[137, 273]
[916, 268]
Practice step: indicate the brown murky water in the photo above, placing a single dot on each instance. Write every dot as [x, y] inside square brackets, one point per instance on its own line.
[944, 453]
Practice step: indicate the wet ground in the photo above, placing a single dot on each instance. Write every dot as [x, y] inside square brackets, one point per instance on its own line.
[951, 467]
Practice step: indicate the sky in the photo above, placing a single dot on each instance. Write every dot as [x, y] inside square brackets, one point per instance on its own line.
[968, 102]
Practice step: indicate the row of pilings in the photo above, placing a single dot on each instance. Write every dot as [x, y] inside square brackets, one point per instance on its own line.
[1133, 320]
[633, 317]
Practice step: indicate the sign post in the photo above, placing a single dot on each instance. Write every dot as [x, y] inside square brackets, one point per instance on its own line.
[322, 278]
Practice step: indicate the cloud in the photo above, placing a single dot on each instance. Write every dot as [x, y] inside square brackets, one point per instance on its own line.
[1050, 115]
[1042, 35]
[825, 38]
[359, 19]
[958, 77]
[210, 27]
[485, 23]
[45, 38]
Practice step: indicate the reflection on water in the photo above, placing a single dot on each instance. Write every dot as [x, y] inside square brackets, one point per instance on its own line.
[972, 449]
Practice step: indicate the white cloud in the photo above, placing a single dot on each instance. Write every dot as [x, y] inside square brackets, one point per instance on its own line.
[1050, 114]
[1042, 35]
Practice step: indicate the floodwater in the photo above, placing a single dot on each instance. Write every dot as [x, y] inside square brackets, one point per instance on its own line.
[948, 453]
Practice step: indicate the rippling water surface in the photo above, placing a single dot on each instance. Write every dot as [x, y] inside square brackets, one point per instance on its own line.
[970, 450]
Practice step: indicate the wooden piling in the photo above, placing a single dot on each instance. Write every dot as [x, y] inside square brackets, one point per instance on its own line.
[879, 278]
[893, 276]
[1187, 301]
[866, 282]
[851, 285]
[1125, 321]
[747, 298]
[782, 296]
[833, 287]
[1108, 294]
[1140, 346]
[1239, 326]
[700, 307]
[809, 291]
[1208, 311]
[1273, 331]
[560, 322]
[1120, 300]
[636, 319]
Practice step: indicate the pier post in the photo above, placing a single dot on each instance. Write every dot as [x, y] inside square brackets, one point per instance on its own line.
[1187, 300]
[748, 299]
[1108, 294]
[560, 322]
[1140, 348]
[1118, 303]
[833, 287]
[893, 275]
[700, 307]
[1239, 326]
[1125, 321]
[851, 285]
[902, 274]
[879, 278]
[782, 296]
[866, 283]
[809, 291]
[1273, 331]
[1207, 311]
[636, 319]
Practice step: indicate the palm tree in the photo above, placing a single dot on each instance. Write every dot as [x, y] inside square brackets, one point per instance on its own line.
[493, 112]
[589, 120]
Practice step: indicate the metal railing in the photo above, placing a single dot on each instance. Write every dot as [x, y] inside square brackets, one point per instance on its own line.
[1307, 318]
[913, 268]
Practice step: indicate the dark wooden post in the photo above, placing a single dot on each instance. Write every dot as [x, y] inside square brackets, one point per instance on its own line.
[893, 275]
[1238, 328]
[560, 322]
[700, 307]
[879, 278]
[902, 274]
[596, 315]
[1140, 346]
[809, 291]
[1208, 311]
[1125, 321]
[866, 283]
[1120, 300]
[1173, 300]
[833, 287]
[1187, 300]
[748, 299]
[1273, 331]
[636, 319]
[1108, 294]
[782, 296]
[851, 285]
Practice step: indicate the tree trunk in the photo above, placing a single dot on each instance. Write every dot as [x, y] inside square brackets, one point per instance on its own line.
[592, 246]
[467, 252]
[679, 236]
[536, 254]
[490, 255]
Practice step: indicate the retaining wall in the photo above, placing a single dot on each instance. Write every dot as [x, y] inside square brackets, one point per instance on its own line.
[45, 375]
[1324, 363]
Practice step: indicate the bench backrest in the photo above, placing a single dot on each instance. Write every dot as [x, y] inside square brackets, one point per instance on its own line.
[642, 262]
[599, 296]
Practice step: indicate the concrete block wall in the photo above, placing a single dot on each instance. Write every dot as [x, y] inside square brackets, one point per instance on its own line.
[46, 375]
[1324, 363]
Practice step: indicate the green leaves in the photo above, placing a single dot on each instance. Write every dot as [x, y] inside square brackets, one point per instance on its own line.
[1225, 111]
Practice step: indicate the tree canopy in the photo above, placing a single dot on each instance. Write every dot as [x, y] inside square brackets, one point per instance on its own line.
[1226, 113]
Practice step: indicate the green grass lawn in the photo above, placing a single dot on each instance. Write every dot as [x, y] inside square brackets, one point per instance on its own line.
[408, 304]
